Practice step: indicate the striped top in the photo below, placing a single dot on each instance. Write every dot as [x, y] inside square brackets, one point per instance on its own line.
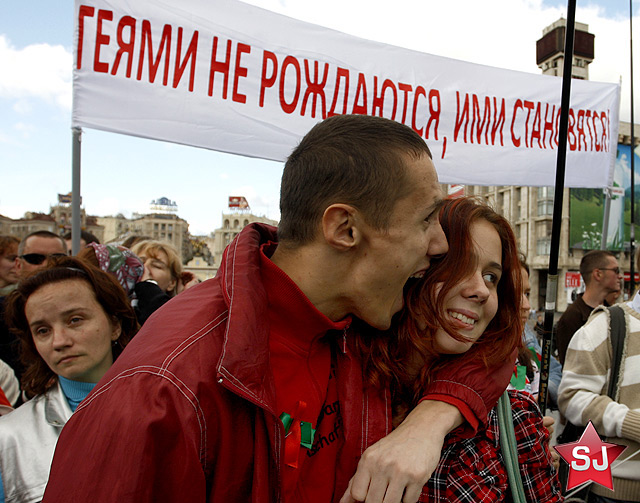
[583, 393]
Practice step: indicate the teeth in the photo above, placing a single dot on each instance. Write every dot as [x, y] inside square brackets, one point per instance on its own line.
[417, 275]
[462, 318]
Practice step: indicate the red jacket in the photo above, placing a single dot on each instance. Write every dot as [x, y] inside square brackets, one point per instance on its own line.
[187, 411]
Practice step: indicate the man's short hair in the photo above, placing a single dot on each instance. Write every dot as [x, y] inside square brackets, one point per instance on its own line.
[595, 259]
[351, 159]
[86, 235]
[41, 234]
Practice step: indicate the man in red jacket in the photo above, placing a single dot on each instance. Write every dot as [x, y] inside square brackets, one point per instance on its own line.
[247, 387]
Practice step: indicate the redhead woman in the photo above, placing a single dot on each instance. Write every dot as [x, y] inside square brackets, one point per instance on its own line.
[469, 304]
[73, 320]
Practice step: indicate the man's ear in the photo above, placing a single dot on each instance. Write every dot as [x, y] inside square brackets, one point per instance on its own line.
[596, 274]
[339, 226]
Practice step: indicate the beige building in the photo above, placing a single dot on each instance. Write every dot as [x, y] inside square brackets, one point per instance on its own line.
[31, 222]
[232, 223]
[530, 209]
[161, 223]
[61, 213]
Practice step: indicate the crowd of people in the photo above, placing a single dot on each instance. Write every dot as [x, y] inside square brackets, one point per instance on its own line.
[375, 347]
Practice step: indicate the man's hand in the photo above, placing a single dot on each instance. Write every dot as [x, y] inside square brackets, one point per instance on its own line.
[394, 469]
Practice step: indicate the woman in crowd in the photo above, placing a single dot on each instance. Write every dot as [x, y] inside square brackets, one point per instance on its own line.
[118, 261]
[8, 264]
[469, 302]
[163, 277]
[73, 321]
[9, 361]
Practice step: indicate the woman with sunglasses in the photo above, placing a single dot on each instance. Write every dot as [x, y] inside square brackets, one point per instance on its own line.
[73, 320]
[468, 303]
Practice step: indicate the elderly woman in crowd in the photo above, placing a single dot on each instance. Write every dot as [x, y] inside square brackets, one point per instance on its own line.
[163, 277]
[73, 321]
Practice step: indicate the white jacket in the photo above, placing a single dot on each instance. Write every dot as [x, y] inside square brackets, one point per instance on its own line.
[28, 438]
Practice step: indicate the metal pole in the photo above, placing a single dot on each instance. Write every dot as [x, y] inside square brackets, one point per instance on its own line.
[605, 218]
[552, 278]
[75, 190]
[632, 229]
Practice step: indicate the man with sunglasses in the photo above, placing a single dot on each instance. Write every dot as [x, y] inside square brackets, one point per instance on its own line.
[35, 249]
[601, 274]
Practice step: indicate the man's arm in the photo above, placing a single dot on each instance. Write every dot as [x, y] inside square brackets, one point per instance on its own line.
[129, 444]
[402, 462]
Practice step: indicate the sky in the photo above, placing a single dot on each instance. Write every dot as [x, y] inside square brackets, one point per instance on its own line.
[122, 174]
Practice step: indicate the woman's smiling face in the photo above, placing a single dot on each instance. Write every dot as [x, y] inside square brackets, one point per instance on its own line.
[472, 304]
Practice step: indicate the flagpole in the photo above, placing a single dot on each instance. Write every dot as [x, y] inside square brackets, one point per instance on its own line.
[632, 228]
[76, 139]
[552, 277]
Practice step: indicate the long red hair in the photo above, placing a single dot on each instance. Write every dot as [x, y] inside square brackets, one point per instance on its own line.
[391, 359]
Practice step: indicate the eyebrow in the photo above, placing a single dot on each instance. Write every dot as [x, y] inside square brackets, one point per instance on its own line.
[64, 313]
[496, 266]
[435, 206]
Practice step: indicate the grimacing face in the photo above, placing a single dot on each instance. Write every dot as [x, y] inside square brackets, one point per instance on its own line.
[156, 267]
[473, 303]
[392, 256]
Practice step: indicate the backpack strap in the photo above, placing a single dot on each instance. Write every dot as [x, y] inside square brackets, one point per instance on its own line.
[618, 332]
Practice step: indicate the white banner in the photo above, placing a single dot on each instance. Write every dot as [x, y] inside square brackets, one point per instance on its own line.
[227, 76]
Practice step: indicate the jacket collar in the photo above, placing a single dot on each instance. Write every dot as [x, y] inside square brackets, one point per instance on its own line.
[244, 363]
[56, 408]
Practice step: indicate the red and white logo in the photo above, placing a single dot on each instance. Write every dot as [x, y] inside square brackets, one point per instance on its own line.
[589, 459]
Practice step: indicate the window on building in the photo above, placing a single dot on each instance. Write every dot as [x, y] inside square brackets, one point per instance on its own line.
[545, 201]
[226, 224]
[170, 227]
[163, 227]
[155, 227]
[545, 207]
[543, 246]
[170, 235]
[246, 222]
[236, 224]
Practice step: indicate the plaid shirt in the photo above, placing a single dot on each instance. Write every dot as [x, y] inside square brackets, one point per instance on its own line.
[472, 470]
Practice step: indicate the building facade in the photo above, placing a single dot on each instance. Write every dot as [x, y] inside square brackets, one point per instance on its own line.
[530, 209]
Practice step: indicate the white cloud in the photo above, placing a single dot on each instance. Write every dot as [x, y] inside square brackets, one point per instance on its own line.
[25, 130]
[23, 107]
[40, 71]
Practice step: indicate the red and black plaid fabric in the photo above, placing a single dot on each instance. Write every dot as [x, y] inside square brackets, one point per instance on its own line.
[473, 471]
